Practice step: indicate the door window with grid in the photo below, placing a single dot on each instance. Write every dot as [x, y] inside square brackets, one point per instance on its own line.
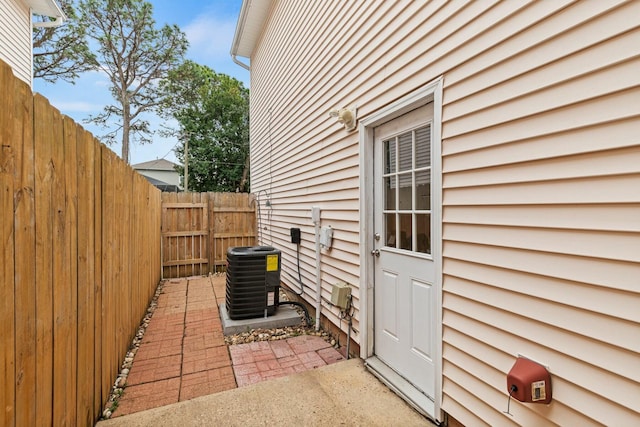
[407, 190]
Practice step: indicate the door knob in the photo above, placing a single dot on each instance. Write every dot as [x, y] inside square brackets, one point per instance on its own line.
[375, 252]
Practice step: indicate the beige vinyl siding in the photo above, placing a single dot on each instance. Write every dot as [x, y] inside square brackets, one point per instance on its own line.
[298, 168]
[15, 38]
[541, 177]
[541, 180]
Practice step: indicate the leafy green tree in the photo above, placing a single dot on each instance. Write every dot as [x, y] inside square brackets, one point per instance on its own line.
[212, 110]
[62, 53]
[135, 56]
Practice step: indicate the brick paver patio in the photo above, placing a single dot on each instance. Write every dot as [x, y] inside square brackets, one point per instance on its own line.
[259, 361]
[183, 354]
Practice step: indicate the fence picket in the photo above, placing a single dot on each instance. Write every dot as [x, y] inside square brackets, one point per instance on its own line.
[86, 278]
[98, 395]
[25, 243]
[8, 164]
[45, 217]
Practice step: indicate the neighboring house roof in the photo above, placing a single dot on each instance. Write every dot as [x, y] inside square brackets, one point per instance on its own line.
[162, 170]
[253, 16]
[156, 165]
[161, 185]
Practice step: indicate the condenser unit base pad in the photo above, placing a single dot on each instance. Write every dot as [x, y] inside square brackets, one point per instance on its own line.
[285, 315]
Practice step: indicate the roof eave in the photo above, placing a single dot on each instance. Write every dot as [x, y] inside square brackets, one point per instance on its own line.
[253, 16]
[47, 8]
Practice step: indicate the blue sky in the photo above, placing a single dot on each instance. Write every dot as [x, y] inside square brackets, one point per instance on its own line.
[209, 25]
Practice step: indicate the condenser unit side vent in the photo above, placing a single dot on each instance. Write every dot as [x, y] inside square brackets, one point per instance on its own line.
[253, 281]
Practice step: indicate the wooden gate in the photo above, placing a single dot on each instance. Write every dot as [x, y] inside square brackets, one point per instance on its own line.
[198, 228]
[185, 236]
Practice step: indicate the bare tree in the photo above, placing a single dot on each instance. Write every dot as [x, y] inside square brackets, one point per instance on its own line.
[134, 55]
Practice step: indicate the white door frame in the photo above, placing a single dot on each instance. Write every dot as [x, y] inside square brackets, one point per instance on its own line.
[432, 92]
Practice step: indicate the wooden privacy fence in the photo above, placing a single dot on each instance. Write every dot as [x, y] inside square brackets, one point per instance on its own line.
[79, 262]
[198, 228]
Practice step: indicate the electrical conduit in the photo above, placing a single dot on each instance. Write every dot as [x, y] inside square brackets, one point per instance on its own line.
[316, 222]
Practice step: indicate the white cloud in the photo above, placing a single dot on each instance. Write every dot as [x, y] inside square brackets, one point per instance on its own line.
[210, 37]
[103, 81]
[69, 107]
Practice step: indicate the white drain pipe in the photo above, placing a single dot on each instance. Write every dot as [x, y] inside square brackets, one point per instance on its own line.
[315, 216]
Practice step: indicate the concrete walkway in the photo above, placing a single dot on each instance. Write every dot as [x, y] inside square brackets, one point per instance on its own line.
[339, 394]
[183, 358]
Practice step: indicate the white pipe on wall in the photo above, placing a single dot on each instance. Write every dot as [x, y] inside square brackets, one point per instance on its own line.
[318, 281]
[240, 63]
[315, 216]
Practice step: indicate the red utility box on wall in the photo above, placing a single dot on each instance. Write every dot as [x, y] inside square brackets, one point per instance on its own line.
[529, 382]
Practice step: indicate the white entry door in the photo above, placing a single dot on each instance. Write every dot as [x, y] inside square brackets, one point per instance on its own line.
[404, 293]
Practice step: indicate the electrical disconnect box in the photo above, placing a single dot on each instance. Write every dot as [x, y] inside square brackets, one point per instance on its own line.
[315, 214]
[341, 295]
[326, 236]
[295, 235]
